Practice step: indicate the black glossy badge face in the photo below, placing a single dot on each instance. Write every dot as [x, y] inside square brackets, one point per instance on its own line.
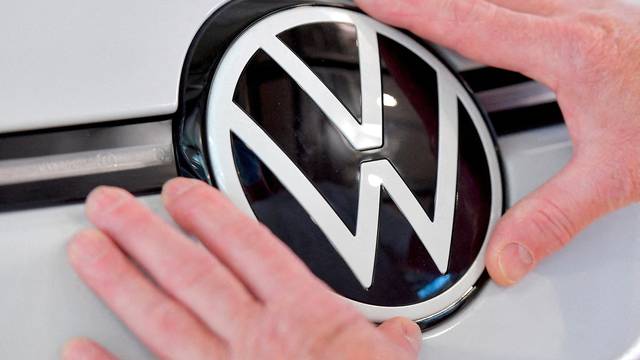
[361, 151]
[404, 272]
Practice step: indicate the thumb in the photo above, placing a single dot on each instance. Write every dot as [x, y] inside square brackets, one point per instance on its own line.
[404, 333]
[548, 219]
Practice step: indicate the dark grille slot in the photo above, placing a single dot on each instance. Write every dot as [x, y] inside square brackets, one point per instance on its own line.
[56, 166]
[513, 101]
[517, 120]
[488, 78]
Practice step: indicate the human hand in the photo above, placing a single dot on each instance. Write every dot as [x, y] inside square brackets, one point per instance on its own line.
[243, 295]
[588, 52]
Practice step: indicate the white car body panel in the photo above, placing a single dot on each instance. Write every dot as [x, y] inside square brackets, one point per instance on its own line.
[125, 60]
[72, 62]
[582, 303]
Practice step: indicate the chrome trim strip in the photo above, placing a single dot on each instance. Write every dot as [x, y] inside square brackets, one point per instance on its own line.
[428, 322]
[457, 61]
[515, 96]
[84, 163]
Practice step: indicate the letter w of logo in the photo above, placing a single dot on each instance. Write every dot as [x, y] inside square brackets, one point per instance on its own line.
[357, 250]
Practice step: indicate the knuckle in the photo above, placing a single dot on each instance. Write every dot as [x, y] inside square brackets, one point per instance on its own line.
[167, 319]
[456, 16]
[267, 333]
[552, 222]
[468, 11]
[334, 334]
[401, 10]
[275, 336]
[616, 182]
[594, 42]
[621, 185]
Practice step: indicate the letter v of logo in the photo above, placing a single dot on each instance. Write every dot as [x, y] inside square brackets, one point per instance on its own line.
[358, 248]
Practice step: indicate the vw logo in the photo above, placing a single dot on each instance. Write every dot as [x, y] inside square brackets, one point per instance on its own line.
[362, 151]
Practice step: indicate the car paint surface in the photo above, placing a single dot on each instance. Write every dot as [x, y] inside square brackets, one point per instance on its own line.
[73, 62]
[582, 303]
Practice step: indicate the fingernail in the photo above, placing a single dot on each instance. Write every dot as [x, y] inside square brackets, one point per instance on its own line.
[104, 198]
[413, 334]
[176, 187]
[515, 262]
[87, 247]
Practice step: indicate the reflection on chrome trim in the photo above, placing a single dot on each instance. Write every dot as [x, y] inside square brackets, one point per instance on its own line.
[457, 61]
[84, 163]
[515, 96]
[427, 323]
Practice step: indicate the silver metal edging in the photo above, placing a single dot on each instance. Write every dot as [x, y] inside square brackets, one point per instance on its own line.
[515, 96]
[97, 162]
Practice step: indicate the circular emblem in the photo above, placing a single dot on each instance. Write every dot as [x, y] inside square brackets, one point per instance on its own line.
[362, 151]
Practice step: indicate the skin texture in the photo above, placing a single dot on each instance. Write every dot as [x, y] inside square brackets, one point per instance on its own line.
[244, 295]
[587, 51]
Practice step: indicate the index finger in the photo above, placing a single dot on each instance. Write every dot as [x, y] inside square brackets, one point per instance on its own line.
[480, 30]
[264, 263]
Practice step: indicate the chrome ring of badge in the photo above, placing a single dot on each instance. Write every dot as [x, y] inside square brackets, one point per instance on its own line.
[355, 145]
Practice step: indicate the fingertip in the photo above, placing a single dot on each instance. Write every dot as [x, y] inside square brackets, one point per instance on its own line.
[183, 195]
[74, 349]
[404, 332]
[413, 334]
[176, 187]
[497, 276]
[102, 199]
[509, 259]
[87, 246]
[511, 264]
[84, 349]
